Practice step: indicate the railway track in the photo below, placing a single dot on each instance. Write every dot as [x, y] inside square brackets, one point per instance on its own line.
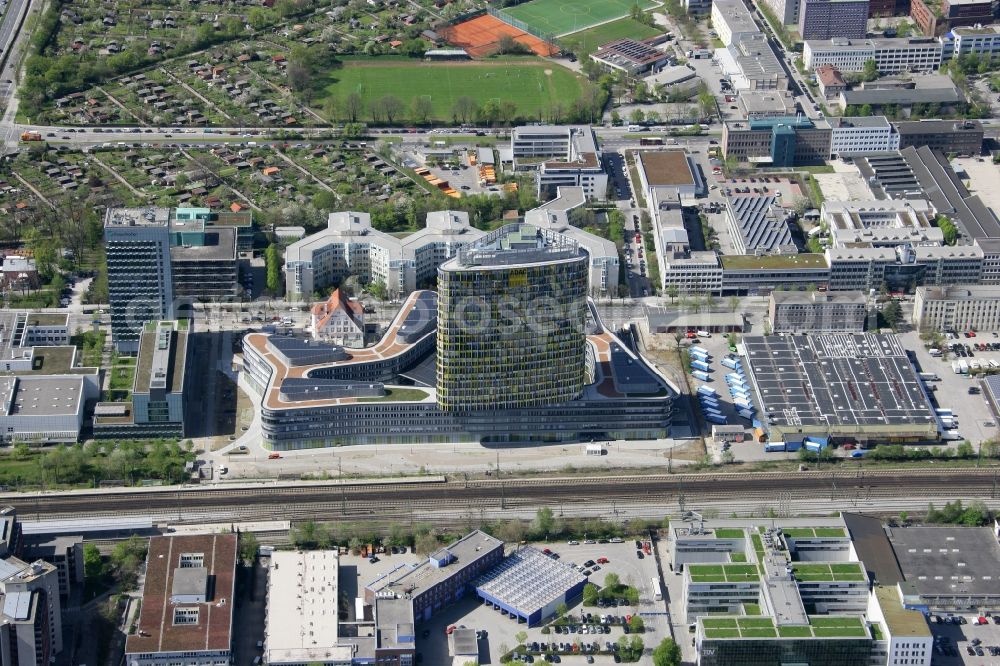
[381, 499]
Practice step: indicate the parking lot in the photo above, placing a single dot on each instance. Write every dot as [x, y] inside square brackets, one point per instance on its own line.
[954, 642]
[976, 421]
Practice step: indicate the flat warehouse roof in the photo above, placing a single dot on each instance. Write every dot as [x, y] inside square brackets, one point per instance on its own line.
[860, 380]
[528, 580]
[952, 561]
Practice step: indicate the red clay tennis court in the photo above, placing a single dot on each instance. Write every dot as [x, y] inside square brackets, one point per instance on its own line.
[481, 37]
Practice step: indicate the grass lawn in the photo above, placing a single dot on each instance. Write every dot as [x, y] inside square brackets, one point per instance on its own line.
[729, 533]
[558, 17]
[585, 42]
[737, 557]
[532, 84]
[398, 395]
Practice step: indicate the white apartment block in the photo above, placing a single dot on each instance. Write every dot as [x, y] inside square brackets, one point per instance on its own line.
[732, 20]
[351, 246]
[871, 134]
[960, 307]
[891, 55]
[907, 637]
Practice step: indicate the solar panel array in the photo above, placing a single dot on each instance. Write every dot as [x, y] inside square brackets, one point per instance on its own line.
[760, 224]
[528, 580]
[836, 379]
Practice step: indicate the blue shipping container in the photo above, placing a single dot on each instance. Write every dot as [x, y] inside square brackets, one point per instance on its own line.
[771, 447]
[793, 446]
[707, 390]
[718, 420]
[709, 402]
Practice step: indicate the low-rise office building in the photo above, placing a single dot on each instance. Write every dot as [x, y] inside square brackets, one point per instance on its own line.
[187, 602]
[881, 223]
[758, 225]
[851, 136]
[824, 19]
[561, 156]
[973, 40]
[891, 55]
[817, 312]
[957, 307]
[156, 408]
[780, 142]
[958, 137]
[905, 93]
[756, 104]
[903, 268]
[750, 275]
[732, 20]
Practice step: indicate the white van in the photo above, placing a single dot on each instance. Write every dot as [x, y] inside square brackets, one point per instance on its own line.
[934, 351]
[703, 334]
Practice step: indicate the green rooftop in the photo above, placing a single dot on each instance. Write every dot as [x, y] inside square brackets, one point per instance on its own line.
[749, 261]
[837, 572]
[820, 626]
[723, 573]
[729, 533]
[807, 532]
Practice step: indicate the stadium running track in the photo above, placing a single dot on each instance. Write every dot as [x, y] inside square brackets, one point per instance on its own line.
[387, 499]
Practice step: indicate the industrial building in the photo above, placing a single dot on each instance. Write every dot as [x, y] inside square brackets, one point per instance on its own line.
[317, 394]
[751, 64]
[756, 104]
[958, 137]
[817, 312]
[825, 19]
[561, 156]
[881, 223]
[631, 56]
[780, 142]
[187, 602]
[859, 387]
[351, 246]
[851, 136]
[156, 408]
[759, 225]
[674, 172]
[530, 586]
[445, 577]
[957, 307]
[732, 20]
[892, 55]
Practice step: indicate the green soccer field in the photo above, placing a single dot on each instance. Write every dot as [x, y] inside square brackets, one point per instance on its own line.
[532, 84]
[586, 42]
[560, 17]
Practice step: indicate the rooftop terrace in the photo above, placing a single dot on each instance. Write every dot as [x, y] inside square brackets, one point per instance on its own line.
[744, 627]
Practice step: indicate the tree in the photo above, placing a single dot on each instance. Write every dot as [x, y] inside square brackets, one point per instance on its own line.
[378, 290]
[93, 566]
[589, 594]
[870, 70]
[464, 108]
[667, 653]
[672, 292]
[421, 109]
[521, 637]
[544, 521]
[248, 547]
[512, 531]
[425, 544]
[865, 111]
[612, 582]
[353, 106]
[636, 624]
[637, 116]
[948, 229]
[273, 262]
[392, 107]
[892, 313]
[706, 104]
